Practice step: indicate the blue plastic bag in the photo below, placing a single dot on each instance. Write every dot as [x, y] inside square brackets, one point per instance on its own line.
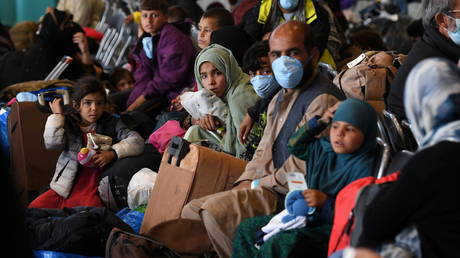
[4, 140]
[53, 254]
[132, 218]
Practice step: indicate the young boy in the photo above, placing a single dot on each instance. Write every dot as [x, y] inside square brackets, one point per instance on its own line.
[257, 65]
[164, 58]
[212, 20]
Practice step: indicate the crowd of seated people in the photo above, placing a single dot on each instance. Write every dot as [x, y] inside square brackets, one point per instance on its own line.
[250, 84]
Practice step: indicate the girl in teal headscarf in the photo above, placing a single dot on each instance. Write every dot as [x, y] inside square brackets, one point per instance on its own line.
[216, 70]
[332, 163]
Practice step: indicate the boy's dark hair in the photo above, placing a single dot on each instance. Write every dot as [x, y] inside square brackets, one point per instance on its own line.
[117, 75]
[251, 59]
[155, 5]
[367, 39]
[177, 13]
[87, 85]
[223, 16]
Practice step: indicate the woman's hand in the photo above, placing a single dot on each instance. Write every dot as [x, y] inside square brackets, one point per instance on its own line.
[104, 158]
[209, 122]
[137, 103]
[314, 198]
[245, 128]
[80, 39]
[56, 106]
[329, 114]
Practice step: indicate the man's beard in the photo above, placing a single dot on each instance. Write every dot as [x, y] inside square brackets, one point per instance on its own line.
[307, 72]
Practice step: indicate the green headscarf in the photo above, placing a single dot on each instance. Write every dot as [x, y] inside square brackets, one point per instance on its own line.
[328, 171]
[239, 95]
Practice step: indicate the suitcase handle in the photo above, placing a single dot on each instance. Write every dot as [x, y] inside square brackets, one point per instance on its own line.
[64, 93]
[178, 148]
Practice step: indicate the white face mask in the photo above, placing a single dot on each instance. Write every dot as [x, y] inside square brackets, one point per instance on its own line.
[264, 85]
[455, 34]
[289, 4]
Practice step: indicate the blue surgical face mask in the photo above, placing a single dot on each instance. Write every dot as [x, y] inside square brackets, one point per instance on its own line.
[455, 35]
[288, 71]
[148, 46]
[288, 4]
[264, 85]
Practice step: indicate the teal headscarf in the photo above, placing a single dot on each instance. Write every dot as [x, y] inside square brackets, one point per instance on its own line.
[328, 171]
[239, 95]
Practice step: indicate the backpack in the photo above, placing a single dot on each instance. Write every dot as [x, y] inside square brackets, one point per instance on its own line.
[172, 238]
[350, 206]
[79, 230]
[369, 76]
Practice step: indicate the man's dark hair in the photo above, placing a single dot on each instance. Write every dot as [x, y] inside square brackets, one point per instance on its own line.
[251, 59]
[223, 16]
[155, 5]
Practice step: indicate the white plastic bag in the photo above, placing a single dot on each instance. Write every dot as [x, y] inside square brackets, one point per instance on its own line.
[140, 186]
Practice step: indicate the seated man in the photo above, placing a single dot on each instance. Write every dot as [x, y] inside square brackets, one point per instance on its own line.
[164, 59]
[305, 93]
[441, 39]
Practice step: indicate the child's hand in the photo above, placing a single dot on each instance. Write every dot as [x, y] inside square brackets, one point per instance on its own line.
[314, 198]
[209, 122]
[366, 253]
[176, 105]
[104, 158]
[245, 128]
[329, 114]
[56, 106]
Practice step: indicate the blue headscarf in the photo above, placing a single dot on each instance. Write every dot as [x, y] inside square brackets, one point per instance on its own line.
[328, 171]
[432, 102]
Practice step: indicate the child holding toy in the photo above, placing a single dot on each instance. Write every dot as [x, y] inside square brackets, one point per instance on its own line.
[332, 163]
[67, 130]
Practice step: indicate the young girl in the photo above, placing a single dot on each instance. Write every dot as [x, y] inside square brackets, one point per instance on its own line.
[217, 71]
[332, 163]
[72, 184]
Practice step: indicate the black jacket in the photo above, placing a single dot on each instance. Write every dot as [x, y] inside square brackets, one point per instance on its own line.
[433, 44]
[426, 194]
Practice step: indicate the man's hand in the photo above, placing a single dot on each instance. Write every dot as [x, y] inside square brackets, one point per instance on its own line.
[245, 128]
[242, 185]
[314, 198]
[55, 106]
[137, 103]
[104, 158]
[209, 122]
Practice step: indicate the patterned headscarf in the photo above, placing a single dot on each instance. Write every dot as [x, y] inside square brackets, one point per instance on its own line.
[432, 101]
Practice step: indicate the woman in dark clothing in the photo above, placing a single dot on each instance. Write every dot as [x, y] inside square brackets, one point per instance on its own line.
[426, 193]
[55, 39]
